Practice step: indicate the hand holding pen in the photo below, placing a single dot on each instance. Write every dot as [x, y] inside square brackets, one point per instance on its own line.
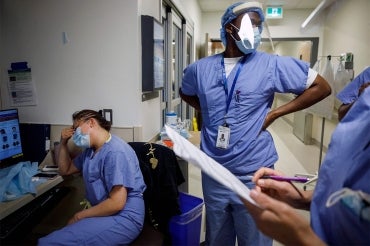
[298, 179]
[272, 183]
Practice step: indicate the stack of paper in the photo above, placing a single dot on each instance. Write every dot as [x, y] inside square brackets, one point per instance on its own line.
[186, 150]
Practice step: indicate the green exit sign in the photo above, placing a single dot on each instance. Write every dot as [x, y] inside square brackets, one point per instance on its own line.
[274, 12]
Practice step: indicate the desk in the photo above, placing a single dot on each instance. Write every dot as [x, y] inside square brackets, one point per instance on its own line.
[9, 207]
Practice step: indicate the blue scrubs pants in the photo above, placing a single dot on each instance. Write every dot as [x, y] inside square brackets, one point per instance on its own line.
[227, 218]
[94, 231]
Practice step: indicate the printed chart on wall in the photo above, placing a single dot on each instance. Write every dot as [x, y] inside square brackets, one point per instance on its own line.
[21, 87]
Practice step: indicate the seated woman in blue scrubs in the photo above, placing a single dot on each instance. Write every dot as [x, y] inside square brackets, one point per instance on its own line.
[339, 205]
[113, 182]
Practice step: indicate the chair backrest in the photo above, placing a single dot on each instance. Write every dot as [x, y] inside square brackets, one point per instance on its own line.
[162, 176]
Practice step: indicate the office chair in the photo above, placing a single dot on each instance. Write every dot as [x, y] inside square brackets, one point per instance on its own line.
[162, 176]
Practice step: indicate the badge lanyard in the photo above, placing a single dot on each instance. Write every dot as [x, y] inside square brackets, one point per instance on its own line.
[223, 135]
[230, 95]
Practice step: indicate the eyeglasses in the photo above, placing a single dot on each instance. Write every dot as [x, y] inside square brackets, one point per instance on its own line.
[79, 123]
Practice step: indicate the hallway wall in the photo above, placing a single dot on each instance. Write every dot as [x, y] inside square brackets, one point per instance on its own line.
[98, 67]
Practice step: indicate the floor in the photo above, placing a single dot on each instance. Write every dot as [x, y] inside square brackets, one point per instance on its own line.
[294, 158]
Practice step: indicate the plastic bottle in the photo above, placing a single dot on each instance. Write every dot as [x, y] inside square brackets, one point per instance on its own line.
[195, 125]
[171, 118]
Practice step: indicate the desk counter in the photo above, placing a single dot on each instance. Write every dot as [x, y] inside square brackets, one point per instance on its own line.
[195, 138]
[9, 207]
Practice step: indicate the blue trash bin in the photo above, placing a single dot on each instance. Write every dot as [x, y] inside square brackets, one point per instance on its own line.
[185, 228]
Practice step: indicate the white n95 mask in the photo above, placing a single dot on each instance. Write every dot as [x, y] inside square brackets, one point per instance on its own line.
[250, 37]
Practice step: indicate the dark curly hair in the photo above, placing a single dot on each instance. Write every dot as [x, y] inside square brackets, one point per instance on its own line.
[87, 114]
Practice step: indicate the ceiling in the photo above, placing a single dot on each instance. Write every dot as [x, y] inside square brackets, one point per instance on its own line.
[221, 5]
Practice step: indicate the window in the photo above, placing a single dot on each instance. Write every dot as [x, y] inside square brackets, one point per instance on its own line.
[178, 54]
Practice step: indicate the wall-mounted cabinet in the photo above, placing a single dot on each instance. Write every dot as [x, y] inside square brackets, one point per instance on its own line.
[152, 40]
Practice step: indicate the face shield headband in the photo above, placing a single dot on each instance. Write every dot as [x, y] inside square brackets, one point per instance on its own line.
[237, 9]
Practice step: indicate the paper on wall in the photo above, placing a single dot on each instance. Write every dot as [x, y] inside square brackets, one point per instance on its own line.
[186, 150]
[21, 87]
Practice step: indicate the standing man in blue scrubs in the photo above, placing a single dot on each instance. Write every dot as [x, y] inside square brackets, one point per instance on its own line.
[340, 204]
[234, 92]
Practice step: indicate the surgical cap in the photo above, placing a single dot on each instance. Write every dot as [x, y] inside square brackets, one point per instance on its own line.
[237, 9]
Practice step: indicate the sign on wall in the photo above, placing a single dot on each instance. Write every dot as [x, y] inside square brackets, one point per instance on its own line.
[21, 87]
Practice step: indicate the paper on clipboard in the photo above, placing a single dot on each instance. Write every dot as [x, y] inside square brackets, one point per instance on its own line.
[186, 150]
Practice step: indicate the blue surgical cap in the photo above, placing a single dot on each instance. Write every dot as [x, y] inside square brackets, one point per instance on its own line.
[229, 15]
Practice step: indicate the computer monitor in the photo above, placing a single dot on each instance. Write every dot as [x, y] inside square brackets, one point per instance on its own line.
[10, 138]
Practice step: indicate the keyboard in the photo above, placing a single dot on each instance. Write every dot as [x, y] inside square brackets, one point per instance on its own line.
[21, 221]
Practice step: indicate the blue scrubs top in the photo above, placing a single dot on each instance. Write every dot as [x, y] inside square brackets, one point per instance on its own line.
[260, 77]
[350, 93]
[347, 164]
[114, 164]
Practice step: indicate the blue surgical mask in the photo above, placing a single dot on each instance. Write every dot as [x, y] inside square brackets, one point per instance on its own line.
[80, 139]
[257, 37]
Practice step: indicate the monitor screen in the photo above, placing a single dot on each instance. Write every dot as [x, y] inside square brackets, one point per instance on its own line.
[10, 139]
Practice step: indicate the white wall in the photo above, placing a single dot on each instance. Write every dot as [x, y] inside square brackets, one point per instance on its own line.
[344, 33]
[100, 67]
[289, 26]
[347, 29]
[148, 110]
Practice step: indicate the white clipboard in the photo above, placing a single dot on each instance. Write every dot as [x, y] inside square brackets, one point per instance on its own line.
[187, 151]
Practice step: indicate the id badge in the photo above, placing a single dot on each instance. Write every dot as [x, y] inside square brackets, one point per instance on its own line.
[223, 137]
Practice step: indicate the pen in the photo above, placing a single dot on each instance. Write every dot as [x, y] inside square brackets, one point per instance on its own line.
[299, 179]
[237, 95]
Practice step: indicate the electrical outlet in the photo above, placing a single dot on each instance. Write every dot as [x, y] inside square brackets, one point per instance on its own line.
[108, 115]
